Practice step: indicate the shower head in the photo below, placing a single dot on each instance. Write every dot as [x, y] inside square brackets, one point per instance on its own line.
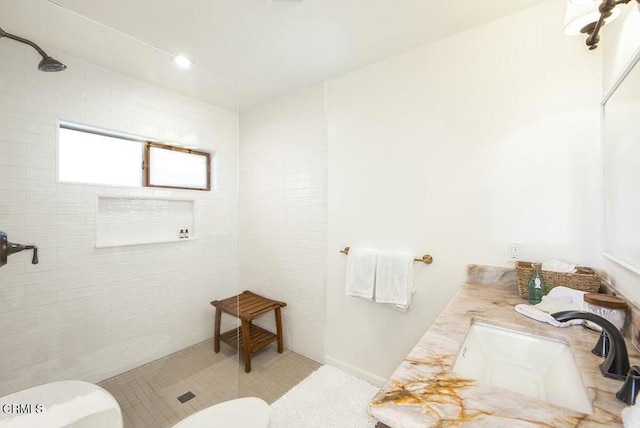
[51, 64]
[47, 63]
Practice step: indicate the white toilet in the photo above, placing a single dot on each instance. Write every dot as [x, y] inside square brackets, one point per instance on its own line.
[76, 404]
[247, 412]
[69, 403]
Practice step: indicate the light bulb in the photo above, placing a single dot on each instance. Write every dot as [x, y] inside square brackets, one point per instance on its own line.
[182, 61]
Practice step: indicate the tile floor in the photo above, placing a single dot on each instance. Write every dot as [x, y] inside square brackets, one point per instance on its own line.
[148, 395]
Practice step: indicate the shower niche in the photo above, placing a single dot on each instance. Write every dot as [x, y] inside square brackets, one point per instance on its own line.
[124, 221]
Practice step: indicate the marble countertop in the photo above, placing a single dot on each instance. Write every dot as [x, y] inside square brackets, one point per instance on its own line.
[423, 392]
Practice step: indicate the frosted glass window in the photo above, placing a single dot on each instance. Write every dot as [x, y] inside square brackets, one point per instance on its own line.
[178, 168]
[89, 158]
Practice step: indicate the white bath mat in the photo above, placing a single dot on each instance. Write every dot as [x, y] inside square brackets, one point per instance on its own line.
[327, 398]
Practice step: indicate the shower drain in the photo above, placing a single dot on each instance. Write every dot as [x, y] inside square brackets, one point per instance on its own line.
[186, 397]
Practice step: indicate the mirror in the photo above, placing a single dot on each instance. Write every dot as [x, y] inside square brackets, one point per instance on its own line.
[621, 113]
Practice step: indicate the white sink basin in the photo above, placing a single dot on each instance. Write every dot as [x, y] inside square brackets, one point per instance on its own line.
[532, 365]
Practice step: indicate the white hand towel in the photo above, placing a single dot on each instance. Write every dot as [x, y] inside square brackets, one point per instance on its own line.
[538, 315]
[361, 272]
[394, 279]
[559, 299]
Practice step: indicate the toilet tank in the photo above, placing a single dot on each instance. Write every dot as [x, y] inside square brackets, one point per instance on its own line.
[70, 403]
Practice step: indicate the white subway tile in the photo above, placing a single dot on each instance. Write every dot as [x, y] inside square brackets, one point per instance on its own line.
[9, 148]
[8, 122]
[82, 292]
[47, 151]
[71, 302]
[12, 171]
[57, 264]
[40, 299]
[65, 198]
[41, 174]
[8, 196]
[53, 219]
[282, 210]
[8, 340]
[27, 161]
[11, 220]
[10, 293]
[24, 114]
[40, 128]
[25, 185]
[59, 285]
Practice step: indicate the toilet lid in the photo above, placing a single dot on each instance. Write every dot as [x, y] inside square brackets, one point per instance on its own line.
[247, 412]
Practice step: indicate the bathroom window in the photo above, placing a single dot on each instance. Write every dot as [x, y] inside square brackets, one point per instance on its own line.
[169, 166]
[95, 158]
[89, 155]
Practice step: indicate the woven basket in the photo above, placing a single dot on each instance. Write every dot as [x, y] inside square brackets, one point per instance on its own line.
[584, 279]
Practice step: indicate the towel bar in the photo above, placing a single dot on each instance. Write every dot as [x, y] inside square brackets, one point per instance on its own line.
[425, 259]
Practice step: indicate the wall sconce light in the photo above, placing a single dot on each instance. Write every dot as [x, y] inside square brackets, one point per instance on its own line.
[588, 17]
[581, 13]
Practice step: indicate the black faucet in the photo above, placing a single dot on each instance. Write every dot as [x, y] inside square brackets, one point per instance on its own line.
[7, 248]
[616, 365]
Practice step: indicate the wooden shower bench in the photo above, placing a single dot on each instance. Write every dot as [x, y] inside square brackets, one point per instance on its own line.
[248, 338]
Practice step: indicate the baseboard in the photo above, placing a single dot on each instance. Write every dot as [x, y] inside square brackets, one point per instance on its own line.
[357, 372]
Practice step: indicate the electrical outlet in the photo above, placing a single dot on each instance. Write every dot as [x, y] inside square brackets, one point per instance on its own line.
[514, 251]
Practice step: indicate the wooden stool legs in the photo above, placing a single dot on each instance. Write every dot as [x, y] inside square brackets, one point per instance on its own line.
[216, 332]
[279, 330]
[246, 338]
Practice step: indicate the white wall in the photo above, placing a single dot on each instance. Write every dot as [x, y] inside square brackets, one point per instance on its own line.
[454, 149]
[620, 42]
[87, 313]
[283, 213]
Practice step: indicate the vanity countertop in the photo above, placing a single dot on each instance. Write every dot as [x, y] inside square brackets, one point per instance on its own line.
[423, 392]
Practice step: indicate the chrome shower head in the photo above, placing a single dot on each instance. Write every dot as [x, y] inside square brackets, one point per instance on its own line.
[47, 63]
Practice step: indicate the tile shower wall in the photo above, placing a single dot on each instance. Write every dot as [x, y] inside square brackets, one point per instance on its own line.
[87, 313]
[283, 213]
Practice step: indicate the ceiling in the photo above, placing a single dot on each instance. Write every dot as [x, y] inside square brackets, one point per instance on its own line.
[270, 48]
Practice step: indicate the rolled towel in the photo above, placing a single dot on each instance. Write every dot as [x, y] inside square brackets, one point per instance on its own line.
[558, 266]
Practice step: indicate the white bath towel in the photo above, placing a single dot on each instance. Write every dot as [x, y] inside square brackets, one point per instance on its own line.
[361, 272]
[394, 279]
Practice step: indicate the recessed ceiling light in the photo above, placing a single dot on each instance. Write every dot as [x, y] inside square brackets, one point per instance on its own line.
[182, 61]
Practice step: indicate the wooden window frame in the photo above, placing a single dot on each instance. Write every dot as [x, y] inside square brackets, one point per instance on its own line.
[147, 165]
